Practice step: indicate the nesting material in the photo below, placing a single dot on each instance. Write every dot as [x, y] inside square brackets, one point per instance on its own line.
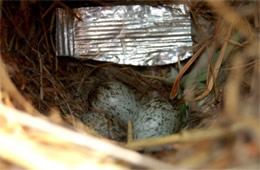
[226, 134]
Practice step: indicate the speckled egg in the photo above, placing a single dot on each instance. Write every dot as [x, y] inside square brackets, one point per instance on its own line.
[117, 99]
[156, 118]
[104, 125]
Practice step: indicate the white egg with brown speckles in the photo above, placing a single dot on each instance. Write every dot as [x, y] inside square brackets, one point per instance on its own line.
[117, 99]
[104, 125]
[156, 118]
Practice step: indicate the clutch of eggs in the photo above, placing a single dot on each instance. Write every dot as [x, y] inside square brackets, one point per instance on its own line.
[151, 118]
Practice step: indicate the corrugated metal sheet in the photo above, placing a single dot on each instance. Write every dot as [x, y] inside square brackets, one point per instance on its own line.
[134, 34]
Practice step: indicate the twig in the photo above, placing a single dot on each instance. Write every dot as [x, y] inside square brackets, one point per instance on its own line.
[189, 136]
[41, 76]
[175, 87]
[129, 132]
[45, 37]
[49, 9]
[212, 79]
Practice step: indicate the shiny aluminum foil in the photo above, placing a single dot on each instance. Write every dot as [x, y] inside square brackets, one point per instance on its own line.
[133, 34]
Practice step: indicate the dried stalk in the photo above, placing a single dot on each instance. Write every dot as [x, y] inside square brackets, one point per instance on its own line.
[191, 136]
[86, 141]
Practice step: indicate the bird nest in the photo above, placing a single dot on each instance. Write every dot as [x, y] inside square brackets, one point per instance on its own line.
[43, 96]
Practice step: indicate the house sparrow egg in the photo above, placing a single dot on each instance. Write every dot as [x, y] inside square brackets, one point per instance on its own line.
[117, 99]
[156, 118]
[104, 126]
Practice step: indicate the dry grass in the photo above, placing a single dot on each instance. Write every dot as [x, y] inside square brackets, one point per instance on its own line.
[42, 96]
